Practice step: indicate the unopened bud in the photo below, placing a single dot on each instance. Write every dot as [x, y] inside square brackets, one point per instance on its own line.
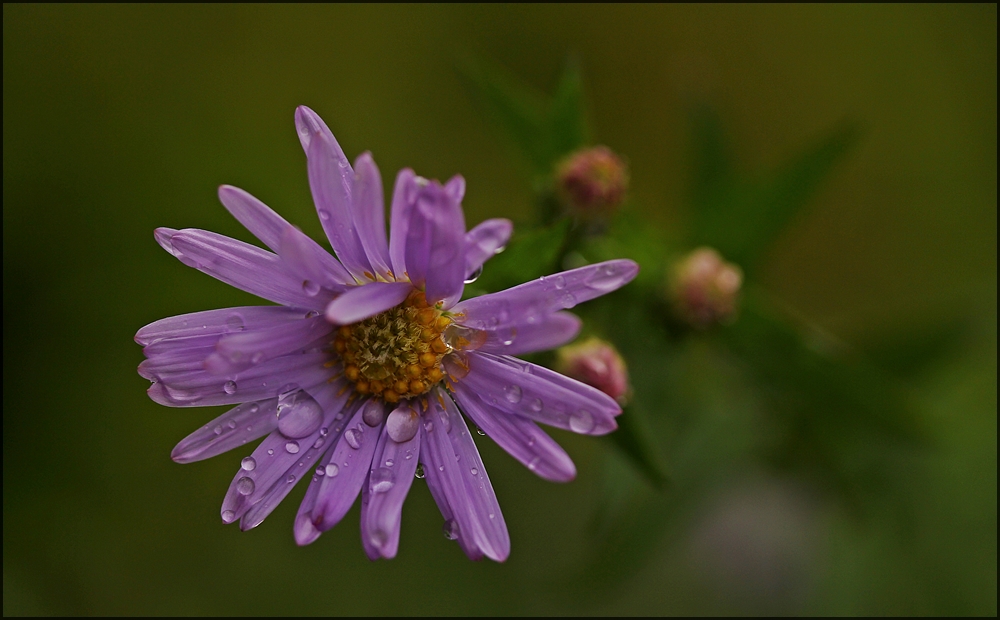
[596, 363]
[592, 181]
[705, 289]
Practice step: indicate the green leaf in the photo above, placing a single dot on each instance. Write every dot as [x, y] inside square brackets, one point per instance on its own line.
[631, 439]
[543, 128]
[742, 217]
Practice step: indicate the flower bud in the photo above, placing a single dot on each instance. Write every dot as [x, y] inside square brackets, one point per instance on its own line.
[592, 181]
[596, 363]
[704, 289]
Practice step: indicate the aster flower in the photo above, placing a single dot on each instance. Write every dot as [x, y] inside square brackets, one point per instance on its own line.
[366, 367]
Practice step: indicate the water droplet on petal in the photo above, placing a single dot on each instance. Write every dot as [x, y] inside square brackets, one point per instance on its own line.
[419, 473]
[472, 277]
[299, 416]
[353, 438]
[604, 278]
[536, 405]
[257, 358]
[533, 463]
[480, 432]
[324, 214]
[232, 424]
[374, 413]
[292, 447]
[450, 529]
[245, 486]
[389, 462]
[228, 516]
[234, 322]
[319, 471]
[270, 452]
[230, 387]
[581, 422]
[290, 479]
[559, 281]
[379, 538]
[249, 463]
[474, 471]
[402, 424]
[382, 479]
[254, 408]
[217, 430]
[513, 393]
[310, 288]
[332, 470]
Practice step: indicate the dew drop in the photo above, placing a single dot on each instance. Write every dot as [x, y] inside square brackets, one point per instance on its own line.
[217, 430]
[332, 470]
[234, 322]
[323, 432]
[581, 422]
[230, 387]
[249, 463]
[567, 300]
[257, 358]
[533, 463]
[389, 462]
[374, 413]
[480, 432]
[474, 471]
[310, 288]
[292, 447]
[319, 443]
[382, 479]
[320, 471]
[472, 277]
[512, 393]
[536, 405]
[254, 408]
[450, 529]
[290, 479]
[270, 452]
[379, 538]
[228, 516]
[324, 214]
[245, 486]
[559, 281]
[420, 471]
[353, 438]
[604, 278]
[232, 424]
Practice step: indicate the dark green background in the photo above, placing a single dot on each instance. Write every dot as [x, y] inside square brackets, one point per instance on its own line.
[119, 119]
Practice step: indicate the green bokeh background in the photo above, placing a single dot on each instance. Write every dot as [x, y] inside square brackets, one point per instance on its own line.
[119, 119]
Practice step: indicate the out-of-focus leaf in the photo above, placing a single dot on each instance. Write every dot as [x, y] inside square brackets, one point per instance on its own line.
[908, 354]
[632, 439]
[742, 217]
[543, 128]
[711, 157]
[529, 255]
[567, 122]
[836, 417]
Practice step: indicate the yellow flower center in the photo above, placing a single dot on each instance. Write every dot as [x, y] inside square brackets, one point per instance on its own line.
[396, 354]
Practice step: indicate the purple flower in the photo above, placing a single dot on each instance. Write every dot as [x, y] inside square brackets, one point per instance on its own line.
[365, 368]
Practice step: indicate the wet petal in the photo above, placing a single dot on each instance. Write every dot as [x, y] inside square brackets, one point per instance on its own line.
[198, 388]
[519, 436]
[361, 302]
[369, 214]
[552, 331]
[309, 124]
[392, 469]
[256, 216]
[532, 301]
[244, 266]
[236, 427]
[455, 464]
[435, 244]
[346, 470]
[222, 321]
[331, 179]
[402, 204]
[237, 352]
[455, 188]
[280, 463]
[311, 263]
[516, 386]
[484, 241]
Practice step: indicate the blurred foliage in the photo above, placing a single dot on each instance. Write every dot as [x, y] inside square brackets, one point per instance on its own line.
[831, 415]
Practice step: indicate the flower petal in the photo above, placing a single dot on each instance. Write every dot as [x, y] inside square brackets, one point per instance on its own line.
[392, 469]
[222, 321]
[235, 353]
[530, 302]
[309, 124]
[402, 204]
[455, 187]
[234, 428]
[543, 395]
[346, 470]
[435, 244]
[198, 388]
[273, 461]
[256, 216]
[369, 214]
[484, 241]
[455, 464]
[244, 266]
[331, 180]
[310, 262]
[552, 331]
[520, 437]
[361, 302]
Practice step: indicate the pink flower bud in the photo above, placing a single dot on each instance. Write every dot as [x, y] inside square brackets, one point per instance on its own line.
[596, 363]
[592, 181]
[704, 289]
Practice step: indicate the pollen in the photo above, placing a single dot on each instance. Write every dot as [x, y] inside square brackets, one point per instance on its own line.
[397, 354]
